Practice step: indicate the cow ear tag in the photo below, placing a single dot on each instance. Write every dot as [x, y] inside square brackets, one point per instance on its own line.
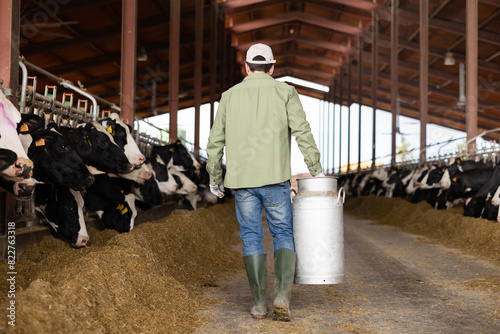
[454, 179]
[122, 208]
[110, 130]
[24, 128]
[40, 142]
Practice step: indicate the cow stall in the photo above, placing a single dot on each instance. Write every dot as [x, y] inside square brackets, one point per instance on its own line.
[65, 105]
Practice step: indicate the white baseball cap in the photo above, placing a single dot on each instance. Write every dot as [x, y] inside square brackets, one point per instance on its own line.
[260, 50]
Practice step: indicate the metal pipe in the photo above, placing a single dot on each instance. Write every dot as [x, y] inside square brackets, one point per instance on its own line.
[24, 86]
[95, 111]
[67, 84]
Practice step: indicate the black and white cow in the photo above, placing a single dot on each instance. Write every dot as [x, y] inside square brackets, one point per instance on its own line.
[175, 154]
[374, 184]
[116, 210]
[56, 162]
[122, 136]
[10, 125]
[97, 148]
[474, 205]
[167, 184]
[398, 181]
[63, 209]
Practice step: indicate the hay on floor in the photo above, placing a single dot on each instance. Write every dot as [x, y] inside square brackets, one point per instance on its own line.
[149, 280]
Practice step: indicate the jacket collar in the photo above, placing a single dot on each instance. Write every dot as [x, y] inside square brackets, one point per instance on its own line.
[258, 76]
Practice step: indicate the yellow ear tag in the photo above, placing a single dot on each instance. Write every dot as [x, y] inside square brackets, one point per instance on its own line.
[110, 130]
[24, 127]
[124, 210]
[454, 179]
[40, 142]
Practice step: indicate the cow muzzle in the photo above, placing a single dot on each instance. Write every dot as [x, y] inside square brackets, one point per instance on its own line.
[81, 242]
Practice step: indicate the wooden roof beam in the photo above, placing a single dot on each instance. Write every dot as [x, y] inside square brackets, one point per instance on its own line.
[296, 16]
[451, 27]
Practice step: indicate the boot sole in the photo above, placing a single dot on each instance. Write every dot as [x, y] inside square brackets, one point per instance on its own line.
[259, 316]
[281, 314]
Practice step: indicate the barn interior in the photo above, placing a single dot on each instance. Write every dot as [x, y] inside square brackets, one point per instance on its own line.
[435, 61]
[325, 42]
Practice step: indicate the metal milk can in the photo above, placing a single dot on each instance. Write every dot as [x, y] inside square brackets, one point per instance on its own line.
[319, 231]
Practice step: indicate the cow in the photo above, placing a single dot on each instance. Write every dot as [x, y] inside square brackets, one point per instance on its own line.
[10, 126]
[430, 184]
[398, 180]
[491, 207]
[116, 210]
[62, 207]
[413, 189]
[203, 182]
[374, 184]
[147, 192]
[122, 136]
[97, 148]
[56, 162]
[7, 158]
[474, 205]
[457, 166]
[466, 184]
[175, 154]
[188, 186]
[166, 181]
[22, 190]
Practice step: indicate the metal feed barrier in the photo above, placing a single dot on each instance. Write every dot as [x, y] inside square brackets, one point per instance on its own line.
[65, 105]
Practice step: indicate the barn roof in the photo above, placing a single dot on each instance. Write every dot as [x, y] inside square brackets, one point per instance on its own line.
[80, 40]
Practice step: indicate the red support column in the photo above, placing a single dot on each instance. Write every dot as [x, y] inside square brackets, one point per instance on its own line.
[374, 82]
[198, 68]
[349, 102]
[128, 60]
[9, 69]
[394, 75]
[360, 96]
[424, 71]
[471, 62]
[213, 58]
[175, 24]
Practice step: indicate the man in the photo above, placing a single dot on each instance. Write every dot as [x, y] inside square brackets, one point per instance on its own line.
[255, 121]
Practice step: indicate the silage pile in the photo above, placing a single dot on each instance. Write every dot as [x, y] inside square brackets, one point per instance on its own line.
[477, 236]
[149, 280]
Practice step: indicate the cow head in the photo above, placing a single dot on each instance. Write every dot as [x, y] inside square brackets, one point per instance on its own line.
[63, 208]
[56, 162]
[121, 218]
[122, 135]
[97, 148]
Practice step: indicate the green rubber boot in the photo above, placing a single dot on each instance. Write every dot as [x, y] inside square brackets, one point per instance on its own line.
[257, 277]
[284, 272]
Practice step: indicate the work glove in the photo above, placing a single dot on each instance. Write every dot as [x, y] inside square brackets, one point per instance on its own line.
[319, 175]
[217, 190]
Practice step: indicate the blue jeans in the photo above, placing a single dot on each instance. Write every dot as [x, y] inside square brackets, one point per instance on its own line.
[278, 207]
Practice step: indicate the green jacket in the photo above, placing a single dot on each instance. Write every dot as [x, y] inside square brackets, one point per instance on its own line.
[254, 122]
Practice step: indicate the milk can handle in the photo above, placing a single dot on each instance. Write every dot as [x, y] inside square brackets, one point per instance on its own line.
[341, 191]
